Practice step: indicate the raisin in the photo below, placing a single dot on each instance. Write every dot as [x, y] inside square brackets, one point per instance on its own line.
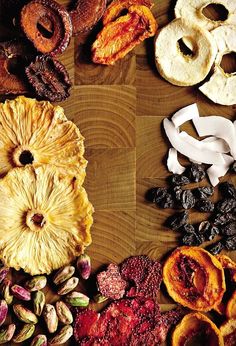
[187, 228]
[167, 201]
[229, 229]
[230, 243]
[203, 192]
[204, 205]
[49, 78]
[156, 194]
[196, 172]
[187, 199]
[215, 248]
[207, 230]
[192, 239]
[223, 219]
[226, 205]
[176, 221]
[179, 179]
[228, 190]
[177, 192]
[47, 25]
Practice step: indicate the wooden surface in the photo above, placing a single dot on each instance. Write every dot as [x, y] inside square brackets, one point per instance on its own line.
[119, 110]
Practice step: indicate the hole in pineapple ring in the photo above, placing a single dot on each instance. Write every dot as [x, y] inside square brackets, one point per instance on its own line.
[26, 157]
[35, 220]
[22, 156]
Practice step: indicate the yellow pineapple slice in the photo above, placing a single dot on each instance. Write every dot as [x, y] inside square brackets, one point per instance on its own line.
[36, 132]
[45, 219]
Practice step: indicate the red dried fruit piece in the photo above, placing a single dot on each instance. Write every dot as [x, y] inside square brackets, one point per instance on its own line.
[95, 342]
[86, 14]
[144, 273]
[115, 9]
[49, 78]
[48, 25]
[14, 56]
[110, 283]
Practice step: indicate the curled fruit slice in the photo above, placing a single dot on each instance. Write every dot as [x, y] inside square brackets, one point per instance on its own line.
[86, 14]
[231, 307]
[44, 136]
[46, 216]
[228, 331]
[49, 78]
[196, 328]
[121, 36]
[194, 278]
[48, 25]
[114, 10]
[229, 264]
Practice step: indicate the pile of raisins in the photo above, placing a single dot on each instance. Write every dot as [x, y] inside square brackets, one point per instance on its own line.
[222, 220]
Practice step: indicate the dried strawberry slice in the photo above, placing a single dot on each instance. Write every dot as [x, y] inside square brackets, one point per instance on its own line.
[94, 342]
[49, 78]
[48, 25]
[86, 14]
[86, 324]
[110, 283]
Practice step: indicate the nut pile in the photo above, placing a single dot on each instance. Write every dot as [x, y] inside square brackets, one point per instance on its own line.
[57, 318]
[222, 220]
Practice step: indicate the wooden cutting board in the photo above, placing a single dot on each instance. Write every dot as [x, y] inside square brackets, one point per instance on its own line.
[119, 110]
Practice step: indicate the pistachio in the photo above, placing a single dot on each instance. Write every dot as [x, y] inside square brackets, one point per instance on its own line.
[6, 333]
[68, 286]
[62, 336]
[24, 333]
[5, 291]
[63, 312]
[3, 273]
[38, 302]
[63, 274]
[3, 311]
[77, 299]
[99, 298]
[84, 266]
[36, 283]
[39, 340]
[20, 292]
[24, 314]
[50, 318]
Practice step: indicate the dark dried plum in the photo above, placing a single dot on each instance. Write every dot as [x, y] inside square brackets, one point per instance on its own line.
[187, 228]
[229, 229]
[177, 220]
[215, 248]
[196, 172]
[207, 230]
[230, 243]
[156, 194]
[167, 201]
[47, 25]
[203, 192]
[228, 190]
[192, 239]
[204, 205]
[187, 199]
[226, 205]
[223, 219]
[49, 78]
[179, 179]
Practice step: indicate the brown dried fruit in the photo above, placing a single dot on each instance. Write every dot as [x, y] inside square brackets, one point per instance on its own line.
[48, 25]
[86, 14]
[228, 331]
[118, 38]
[49, 78]
[114, 10]
[231, 307]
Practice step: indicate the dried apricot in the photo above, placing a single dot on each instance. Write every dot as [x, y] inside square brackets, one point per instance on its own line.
[48, 25]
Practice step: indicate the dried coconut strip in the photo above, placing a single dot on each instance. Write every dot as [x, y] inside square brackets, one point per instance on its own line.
[188, 150]
[219, 127]
[217, 171]
[184, 114]
[173, 164]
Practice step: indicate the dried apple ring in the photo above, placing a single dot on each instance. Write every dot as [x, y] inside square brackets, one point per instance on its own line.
[49, 78]
[193, 11]
[114, 10]
[221, 86]
[48, 25]
[119, 37]
[177, 67]
[86, 14]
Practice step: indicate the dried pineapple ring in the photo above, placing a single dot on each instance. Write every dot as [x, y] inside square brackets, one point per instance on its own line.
[176, 67]
[221, 86]
[193, 11]
[33, 132]
[45, 219]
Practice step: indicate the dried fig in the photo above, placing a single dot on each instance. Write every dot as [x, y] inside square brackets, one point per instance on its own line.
[48, 25]
[86, 14]
[49, 78]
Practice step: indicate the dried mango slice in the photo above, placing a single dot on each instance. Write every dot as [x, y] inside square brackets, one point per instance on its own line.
[119, 37]
[114, 10]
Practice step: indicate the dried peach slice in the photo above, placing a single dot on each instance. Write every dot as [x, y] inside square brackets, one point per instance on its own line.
[48, 25]
[119, 37]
